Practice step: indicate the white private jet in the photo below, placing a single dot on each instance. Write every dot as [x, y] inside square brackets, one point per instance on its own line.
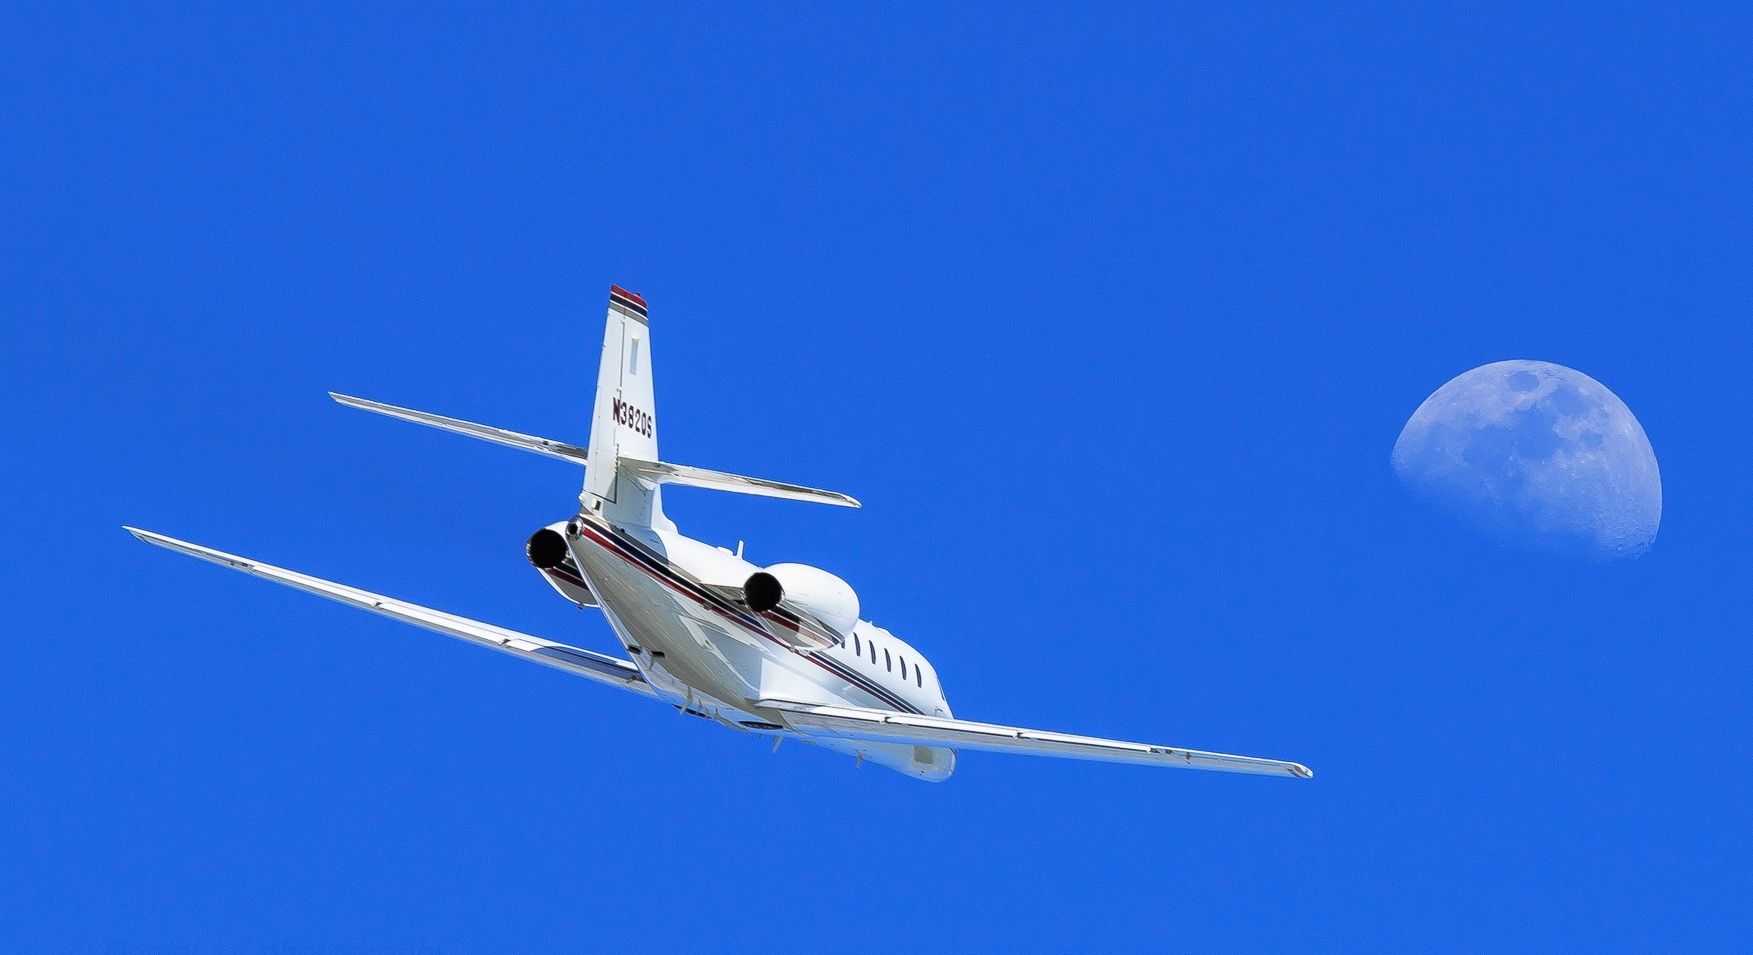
[779, 650]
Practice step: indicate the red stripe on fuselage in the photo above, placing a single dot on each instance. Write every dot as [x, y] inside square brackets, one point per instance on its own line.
[625, 553]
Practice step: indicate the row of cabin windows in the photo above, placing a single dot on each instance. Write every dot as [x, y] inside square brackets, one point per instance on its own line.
[888, 661]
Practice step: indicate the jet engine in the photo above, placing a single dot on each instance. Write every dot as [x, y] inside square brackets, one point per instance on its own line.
[549, 554]
[810, 590]
[546, 549]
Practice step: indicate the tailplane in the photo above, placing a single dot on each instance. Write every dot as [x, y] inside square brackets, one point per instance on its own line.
[623, 474]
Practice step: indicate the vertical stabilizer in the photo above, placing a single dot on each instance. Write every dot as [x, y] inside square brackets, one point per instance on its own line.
[624, 418]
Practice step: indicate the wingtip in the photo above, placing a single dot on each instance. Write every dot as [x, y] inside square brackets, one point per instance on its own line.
[1301, 772]
[146, 536]
[155, 539]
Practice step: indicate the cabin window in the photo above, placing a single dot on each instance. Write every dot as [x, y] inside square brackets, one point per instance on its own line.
[873, 651]
[888, 663]
[857, 645]
[918, 678]
[903, 666]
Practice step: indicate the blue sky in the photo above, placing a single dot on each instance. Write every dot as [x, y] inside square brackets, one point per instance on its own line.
[1111, 320]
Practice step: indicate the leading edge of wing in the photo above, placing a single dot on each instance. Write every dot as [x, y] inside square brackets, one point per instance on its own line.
[886, 726]
[580, 662]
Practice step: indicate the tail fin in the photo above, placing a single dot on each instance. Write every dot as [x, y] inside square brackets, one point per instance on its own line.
[624, 421]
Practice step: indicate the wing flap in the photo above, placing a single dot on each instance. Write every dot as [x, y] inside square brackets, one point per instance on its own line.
[883, 726]
[560, 656]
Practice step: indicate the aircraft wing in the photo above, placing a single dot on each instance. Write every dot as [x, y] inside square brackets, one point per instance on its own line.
[579, 662]
[886, 726]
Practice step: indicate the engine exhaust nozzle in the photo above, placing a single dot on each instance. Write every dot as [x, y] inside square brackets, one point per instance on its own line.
[762, 591]
[546, 549]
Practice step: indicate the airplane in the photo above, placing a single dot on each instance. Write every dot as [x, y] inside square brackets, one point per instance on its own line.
[778, 651]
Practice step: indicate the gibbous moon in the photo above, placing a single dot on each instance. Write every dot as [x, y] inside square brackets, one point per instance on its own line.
[1535, 454]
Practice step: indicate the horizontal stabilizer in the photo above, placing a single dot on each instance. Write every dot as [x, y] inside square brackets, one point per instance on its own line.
[511, 439]
[579, 662]
[661, 473]
[883, 726]
[656, 472]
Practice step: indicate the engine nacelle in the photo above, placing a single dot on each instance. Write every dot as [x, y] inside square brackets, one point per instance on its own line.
[809, 589]
[549, 554]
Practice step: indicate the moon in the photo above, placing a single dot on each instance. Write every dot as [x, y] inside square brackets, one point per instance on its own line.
[1538, 455]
